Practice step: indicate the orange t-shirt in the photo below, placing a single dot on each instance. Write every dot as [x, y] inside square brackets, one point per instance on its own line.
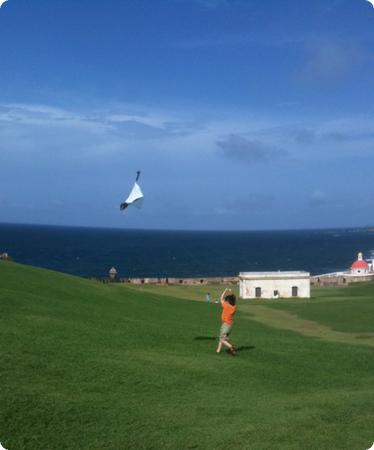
[228, 312]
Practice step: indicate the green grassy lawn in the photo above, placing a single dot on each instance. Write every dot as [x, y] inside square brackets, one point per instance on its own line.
[91, 366]
[348, 309]
[183, 291]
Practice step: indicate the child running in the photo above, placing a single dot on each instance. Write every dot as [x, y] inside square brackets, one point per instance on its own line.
[228, 302]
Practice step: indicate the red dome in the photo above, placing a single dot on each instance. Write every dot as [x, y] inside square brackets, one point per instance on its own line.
[360, 264]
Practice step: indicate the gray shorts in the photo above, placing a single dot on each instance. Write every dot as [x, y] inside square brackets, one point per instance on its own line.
[225, 330]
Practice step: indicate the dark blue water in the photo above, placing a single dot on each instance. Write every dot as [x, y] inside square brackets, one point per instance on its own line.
[93, 251]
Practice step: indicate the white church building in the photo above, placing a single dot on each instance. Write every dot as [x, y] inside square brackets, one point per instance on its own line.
[274, 284]
[360, 267]
[360, 270]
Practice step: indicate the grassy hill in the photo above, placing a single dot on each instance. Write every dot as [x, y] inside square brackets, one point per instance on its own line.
[90, 366]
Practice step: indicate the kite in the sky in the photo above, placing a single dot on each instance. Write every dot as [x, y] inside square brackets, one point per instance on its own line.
[135, 195]
[1, 4]
[371, 2]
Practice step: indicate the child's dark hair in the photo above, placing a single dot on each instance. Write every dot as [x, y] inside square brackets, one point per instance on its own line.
[231, 299]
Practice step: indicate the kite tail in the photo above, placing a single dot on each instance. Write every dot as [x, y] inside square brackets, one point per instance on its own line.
[137, 175]
[123, 206]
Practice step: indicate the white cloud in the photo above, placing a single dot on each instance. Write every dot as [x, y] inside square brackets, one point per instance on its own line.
[36, 128]
[317, 198]
[47, 116]
[331, 59]
[237, 147]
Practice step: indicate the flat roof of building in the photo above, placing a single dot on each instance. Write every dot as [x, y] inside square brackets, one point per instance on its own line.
[275, 274]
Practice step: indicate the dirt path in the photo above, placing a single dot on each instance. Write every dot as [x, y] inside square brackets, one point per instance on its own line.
[287, 321]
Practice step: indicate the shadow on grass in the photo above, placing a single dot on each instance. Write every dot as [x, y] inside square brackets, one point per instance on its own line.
[244, 348]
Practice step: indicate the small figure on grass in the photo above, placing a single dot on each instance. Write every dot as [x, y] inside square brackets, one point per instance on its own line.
[228, 302]
[207, 297]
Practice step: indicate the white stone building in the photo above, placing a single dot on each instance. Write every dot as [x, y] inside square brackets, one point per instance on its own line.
[274, 284]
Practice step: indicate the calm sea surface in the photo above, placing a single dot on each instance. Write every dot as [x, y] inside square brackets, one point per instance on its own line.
[93, 251]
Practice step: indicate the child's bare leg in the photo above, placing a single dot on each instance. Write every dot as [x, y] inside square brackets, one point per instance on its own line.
[219, 348]
[226, 343]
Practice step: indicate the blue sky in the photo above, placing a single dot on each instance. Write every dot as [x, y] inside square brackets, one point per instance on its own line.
[241, 114]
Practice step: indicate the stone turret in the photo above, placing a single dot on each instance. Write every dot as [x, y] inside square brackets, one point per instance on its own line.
[113, 274]
[5, 257]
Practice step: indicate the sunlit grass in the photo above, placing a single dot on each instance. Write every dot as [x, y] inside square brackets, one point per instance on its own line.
[91, 366]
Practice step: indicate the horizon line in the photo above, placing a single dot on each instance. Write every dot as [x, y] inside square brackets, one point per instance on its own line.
[359, 227]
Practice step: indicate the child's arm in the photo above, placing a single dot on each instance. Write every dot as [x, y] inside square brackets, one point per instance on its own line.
[223, 296]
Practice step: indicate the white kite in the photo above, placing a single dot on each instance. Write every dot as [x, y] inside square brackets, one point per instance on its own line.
[1, 4]
[135, 195]
[371, 2]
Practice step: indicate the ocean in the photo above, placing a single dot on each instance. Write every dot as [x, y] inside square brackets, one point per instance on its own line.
[91, 252]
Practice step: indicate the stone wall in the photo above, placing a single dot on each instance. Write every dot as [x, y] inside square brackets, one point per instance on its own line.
[339, 280]
[199, 281]
[315, 281]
